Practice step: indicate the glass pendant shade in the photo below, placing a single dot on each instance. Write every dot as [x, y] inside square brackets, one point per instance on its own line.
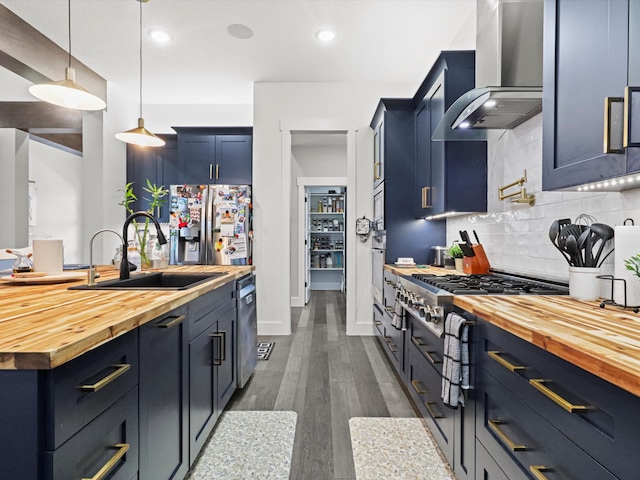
[140, 136]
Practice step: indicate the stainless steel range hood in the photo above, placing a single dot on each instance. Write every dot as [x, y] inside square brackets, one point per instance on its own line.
[508, 71]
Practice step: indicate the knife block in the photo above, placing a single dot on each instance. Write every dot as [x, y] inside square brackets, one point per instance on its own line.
[478, 264]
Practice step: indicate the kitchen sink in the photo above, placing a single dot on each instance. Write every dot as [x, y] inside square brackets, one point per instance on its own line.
[154, 281]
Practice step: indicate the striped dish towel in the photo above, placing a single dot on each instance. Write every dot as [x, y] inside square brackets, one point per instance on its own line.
[455, 367]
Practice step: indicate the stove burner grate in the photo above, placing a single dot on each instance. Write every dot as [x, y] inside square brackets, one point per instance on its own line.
[495, 284]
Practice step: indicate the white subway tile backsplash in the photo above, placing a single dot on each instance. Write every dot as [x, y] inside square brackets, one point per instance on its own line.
[515, 236]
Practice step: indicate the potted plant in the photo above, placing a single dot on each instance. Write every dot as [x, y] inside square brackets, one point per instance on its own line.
[455, 252]
[633, 264]
[157, 199]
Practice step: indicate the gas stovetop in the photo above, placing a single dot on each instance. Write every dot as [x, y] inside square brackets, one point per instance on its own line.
[489, 284]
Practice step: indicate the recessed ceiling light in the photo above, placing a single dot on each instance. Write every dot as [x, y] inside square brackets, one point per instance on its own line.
[237, 30]
[326, 35]
[160, 35]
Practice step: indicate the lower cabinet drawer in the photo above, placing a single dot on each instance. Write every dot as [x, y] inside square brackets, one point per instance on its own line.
[516, 436]
[393, 340]
[105, 448]
[378, 328]
[488, 469]
[425, 386]
[425, 343]
[84, 387]
[595, 414]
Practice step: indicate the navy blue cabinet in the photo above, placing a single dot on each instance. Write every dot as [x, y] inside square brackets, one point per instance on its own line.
[590, 55]
[215, 155]
[211, 353]
[164, 415]
[159, 166]
[450, 176]
[394, 133]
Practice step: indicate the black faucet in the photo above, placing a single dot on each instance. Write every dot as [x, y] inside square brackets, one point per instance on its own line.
[124, 264]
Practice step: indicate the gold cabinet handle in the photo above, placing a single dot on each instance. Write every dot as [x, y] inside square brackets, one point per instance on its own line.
[495, 355]
[426, 197]
[120, 368]
[431, 358]
[418, 342]
[376, 171]
[217, 172]
[609, 103]
[418, 387]
[493, 425]
[210, 171]
[112, 462]
[627, 141]
[377, 322]
[537, 470]
[221, 336]
[170, 321]
[389, 309]
[539, 384]
[432, 412]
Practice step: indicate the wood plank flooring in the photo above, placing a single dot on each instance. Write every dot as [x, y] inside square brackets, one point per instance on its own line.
[326, 377]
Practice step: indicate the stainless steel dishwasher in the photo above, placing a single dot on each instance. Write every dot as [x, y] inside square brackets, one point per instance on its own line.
[247, 329]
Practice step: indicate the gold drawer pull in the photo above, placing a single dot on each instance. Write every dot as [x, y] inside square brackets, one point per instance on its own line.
[493, 425]
[494, 354]
[539, 384]
[390, 309]
[393, 347]
[426, 197]
[377, 322]
[418, 342]
[210, 171]
[172, 321]
[217, 172]
[429, 406]
[376, 169]
[431, 358]
[537, 471]
[112, 462]
[418, 387]
[120, 368]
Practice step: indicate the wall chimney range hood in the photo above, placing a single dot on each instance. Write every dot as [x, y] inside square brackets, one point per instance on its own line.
[508, 70]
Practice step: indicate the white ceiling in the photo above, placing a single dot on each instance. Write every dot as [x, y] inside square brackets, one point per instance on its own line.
[378, 41]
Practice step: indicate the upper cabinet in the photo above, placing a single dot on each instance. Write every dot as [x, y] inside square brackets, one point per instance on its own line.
[220, 155]
[159, 166]
[450, 176]
[590, 130]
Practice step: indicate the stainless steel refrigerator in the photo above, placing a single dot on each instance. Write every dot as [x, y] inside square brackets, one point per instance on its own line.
[210, 225]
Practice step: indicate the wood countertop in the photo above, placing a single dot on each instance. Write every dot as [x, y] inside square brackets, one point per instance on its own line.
[424, 269]
[44, 326]
[605, 342]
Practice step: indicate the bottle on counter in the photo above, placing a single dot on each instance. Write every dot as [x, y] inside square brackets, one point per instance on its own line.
[133, 255]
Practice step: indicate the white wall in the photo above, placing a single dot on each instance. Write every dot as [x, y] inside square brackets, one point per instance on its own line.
[59, 205]
[515, 236]
[277, 103]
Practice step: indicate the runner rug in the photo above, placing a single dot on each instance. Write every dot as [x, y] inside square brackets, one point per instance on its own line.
[248, 445]
[395, 448]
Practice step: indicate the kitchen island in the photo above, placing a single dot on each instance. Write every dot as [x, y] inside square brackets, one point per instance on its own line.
[120, 384]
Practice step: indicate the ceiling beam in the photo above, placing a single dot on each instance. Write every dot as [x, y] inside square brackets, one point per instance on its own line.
[31, 55]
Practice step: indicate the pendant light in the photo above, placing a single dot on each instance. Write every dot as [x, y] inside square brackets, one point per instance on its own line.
[140, 136]
[67, 93]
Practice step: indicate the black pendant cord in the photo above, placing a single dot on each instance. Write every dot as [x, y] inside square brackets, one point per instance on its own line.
[140, 2]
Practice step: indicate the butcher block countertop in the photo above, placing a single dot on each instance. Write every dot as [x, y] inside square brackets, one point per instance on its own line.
[605, 342]
[426, 269]
[44, 326]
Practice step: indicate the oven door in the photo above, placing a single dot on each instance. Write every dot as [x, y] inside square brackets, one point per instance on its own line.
[378, 274]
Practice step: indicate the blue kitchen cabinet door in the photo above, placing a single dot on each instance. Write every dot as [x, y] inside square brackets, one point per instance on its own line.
[588, 57]
[159, 165]
[197, 157]
[233, 160]
[451, 176]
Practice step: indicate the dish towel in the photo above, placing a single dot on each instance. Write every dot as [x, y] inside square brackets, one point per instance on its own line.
[399, 320]
[455, 367]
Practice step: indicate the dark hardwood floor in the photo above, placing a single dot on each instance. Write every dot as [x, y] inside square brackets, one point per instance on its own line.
[326, 377]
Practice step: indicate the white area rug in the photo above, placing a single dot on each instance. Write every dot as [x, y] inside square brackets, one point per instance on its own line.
[395, 448]
[247, 445]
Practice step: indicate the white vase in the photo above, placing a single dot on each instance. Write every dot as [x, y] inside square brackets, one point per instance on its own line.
[459, 264]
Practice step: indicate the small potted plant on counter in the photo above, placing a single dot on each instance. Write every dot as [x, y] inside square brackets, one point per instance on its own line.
[142, 229]
[455, 252]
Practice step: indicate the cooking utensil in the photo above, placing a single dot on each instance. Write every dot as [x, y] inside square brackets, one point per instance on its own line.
[604, 233]
[584, 244]
[467, 251]
[465, 237]
[554, 229]
[571, 246]
[476, 237]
